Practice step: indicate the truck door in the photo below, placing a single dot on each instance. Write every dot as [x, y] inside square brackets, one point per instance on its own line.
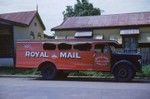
[6, 46]
[102, 57]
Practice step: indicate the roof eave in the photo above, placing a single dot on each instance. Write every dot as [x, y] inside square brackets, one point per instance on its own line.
[13, 23]
[40, 20]
[77, 28]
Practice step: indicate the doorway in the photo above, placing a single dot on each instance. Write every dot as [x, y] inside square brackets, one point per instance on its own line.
[6, 42]
[130, 43]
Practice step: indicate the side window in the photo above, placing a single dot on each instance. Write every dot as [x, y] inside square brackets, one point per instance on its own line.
[99, 48]
[64, 46]
[49, 46]
[83, 47]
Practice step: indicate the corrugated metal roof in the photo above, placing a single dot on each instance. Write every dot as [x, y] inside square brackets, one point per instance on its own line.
[21, 18]
[126, 19]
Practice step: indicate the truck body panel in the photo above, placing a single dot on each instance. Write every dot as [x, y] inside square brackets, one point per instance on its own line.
[32, 54]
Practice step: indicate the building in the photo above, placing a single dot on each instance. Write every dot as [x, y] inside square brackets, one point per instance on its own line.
[131, 30]
[18, 26]
[46, 37]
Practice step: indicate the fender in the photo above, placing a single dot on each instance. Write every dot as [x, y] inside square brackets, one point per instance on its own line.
[45, 63]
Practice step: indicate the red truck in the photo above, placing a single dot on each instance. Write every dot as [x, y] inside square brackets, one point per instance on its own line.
[54, 57]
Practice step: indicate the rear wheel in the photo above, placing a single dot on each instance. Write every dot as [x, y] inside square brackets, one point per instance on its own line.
[48, 72]
[124, 72]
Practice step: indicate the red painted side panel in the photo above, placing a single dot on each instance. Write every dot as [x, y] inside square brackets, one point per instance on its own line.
[31, 55]
[22, 60]
[84, 62]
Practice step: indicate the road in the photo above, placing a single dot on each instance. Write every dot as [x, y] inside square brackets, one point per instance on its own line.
[30, 88]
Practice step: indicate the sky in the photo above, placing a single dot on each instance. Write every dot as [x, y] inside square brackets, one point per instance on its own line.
[51, 10]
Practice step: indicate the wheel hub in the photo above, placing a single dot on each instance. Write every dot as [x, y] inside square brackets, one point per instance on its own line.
[122, 73]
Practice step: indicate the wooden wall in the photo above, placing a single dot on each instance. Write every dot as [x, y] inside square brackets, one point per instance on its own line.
[145, 52]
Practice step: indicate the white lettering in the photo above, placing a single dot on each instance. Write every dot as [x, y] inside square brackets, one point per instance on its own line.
[46, 55]
[36, 54]
[73, 55]
[27, 54]
[69, 55]
[77, 55]
[32, 54]
[41, 54]
[63, 55]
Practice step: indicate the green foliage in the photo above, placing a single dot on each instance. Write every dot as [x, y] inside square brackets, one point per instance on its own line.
[91, 73]
[81, 8]
[69, 12]
[146, 70]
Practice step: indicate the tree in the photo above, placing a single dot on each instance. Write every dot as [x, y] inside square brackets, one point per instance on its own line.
[81, 8]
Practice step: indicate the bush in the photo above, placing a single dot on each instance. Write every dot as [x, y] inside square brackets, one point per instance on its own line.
[146, 70]
[91, 73]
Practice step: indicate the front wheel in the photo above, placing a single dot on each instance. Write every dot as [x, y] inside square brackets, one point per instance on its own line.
[124, 73]
[49, 72]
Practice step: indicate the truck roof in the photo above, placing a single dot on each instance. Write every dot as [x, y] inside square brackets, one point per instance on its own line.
[71, 41]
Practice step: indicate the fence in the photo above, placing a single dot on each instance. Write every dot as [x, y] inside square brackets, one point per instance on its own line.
[145, 52]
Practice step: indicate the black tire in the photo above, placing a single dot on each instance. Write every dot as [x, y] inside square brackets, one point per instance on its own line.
[48, 72]
[124, 72]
